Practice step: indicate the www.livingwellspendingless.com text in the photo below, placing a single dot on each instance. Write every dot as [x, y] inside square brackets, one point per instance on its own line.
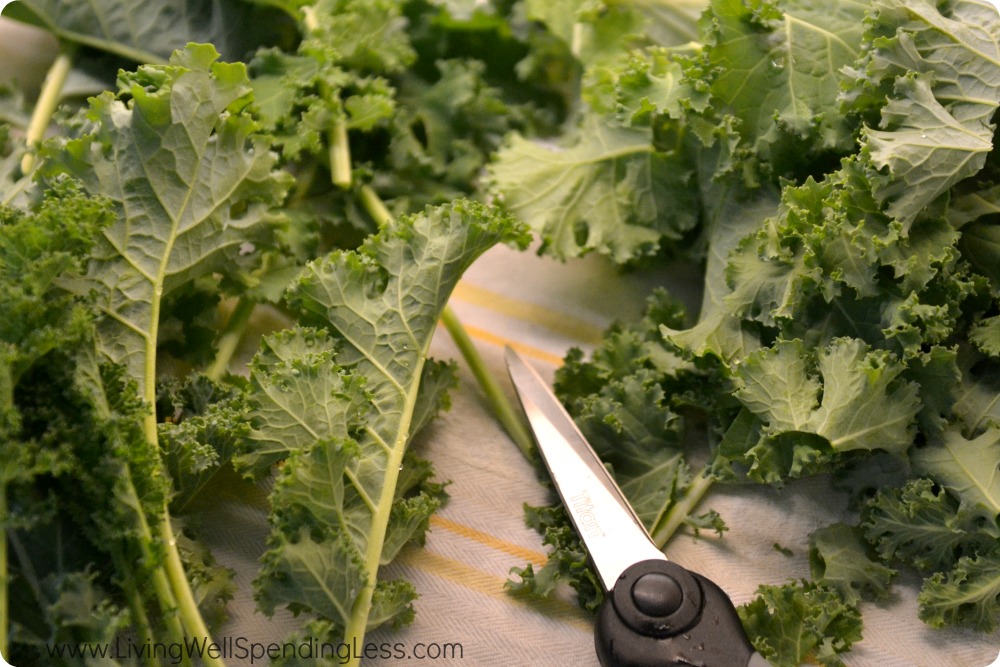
[248, 651]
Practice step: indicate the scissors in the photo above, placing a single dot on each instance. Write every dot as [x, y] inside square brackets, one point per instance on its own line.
[655, 612]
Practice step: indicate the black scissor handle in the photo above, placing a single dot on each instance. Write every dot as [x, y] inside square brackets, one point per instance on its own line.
[660, 614]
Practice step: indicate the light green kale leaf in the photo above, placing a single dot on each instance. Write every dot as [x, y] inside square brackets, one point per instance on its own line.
[920, 524]
[986, 335]
[968, 468]
[977, 395]
[731, 216]
[940, 67]
[801, 623]
[599, 32]
[780, 68]
[839, 558]
[602, 187]
[148, 31]
[339, 403]
[969, 594]
[805, 408]
[301, 96]
[367, 35]
[967, 207]
[176, 153]
[653, 83]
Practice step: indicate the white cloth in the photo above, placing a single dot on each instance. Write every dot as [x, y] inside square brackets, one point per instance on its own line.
[543, 307]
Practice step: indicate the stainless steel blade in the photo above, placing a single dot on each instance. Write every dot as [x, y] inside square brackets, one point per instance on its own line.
[614, 536]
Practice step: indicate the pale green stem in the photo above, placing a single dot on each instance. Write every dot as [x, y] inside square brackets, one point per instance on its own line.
[229, 339]
[509, 418]
[340, 154]
[172, 570]
[140, 620]
[18, 188]
[161, 582]
[45, 107]
[374, 205]
[674, 518]
[309, 21]
[303, 181]
[357, 625]
[576, 41]
[187, 605]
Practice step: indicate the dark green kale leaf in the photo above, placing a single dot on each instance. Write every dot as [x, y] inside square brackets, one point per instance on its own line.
[567, 561]
[148, 31]
[41, 328]
[202, 424]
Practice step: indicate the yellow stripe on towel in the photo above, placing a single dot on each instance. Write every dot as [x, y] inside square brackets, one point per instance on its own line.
[561, 323]
[527, 350]
[492, 541]
[472, 579]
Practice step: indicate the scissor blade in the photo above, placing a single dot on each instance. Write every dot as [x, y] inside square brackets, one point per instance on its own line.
[603, 518]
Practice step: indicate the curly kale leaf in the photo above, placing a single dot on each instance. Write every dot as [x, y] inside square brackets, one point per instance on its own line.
[601, 187]
[190, 183]
[567, 561]
[840, 558]
[801, 623]
[922, 524]
[779, 71]
[968, 594]
[940, 68]
[202, 424]
[799, 412]
[969, 469]
[339, 403]
[175, 157]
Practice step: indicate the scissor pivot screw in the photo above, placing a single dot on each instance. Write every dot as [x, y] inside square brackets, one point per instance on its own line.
[657, 594]
[657, 598]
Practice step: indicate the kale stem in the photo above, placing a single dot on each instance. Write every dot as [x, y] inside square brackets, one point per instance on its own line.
[374, 205]
[140, 619]
[509, 418]
[161, 583]
[229, 339]
[303, 182]
[45, 107]
[576, 43]
[187, 605]
[19, 187]
[340, 154]
[674, 518]
[309, 21]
